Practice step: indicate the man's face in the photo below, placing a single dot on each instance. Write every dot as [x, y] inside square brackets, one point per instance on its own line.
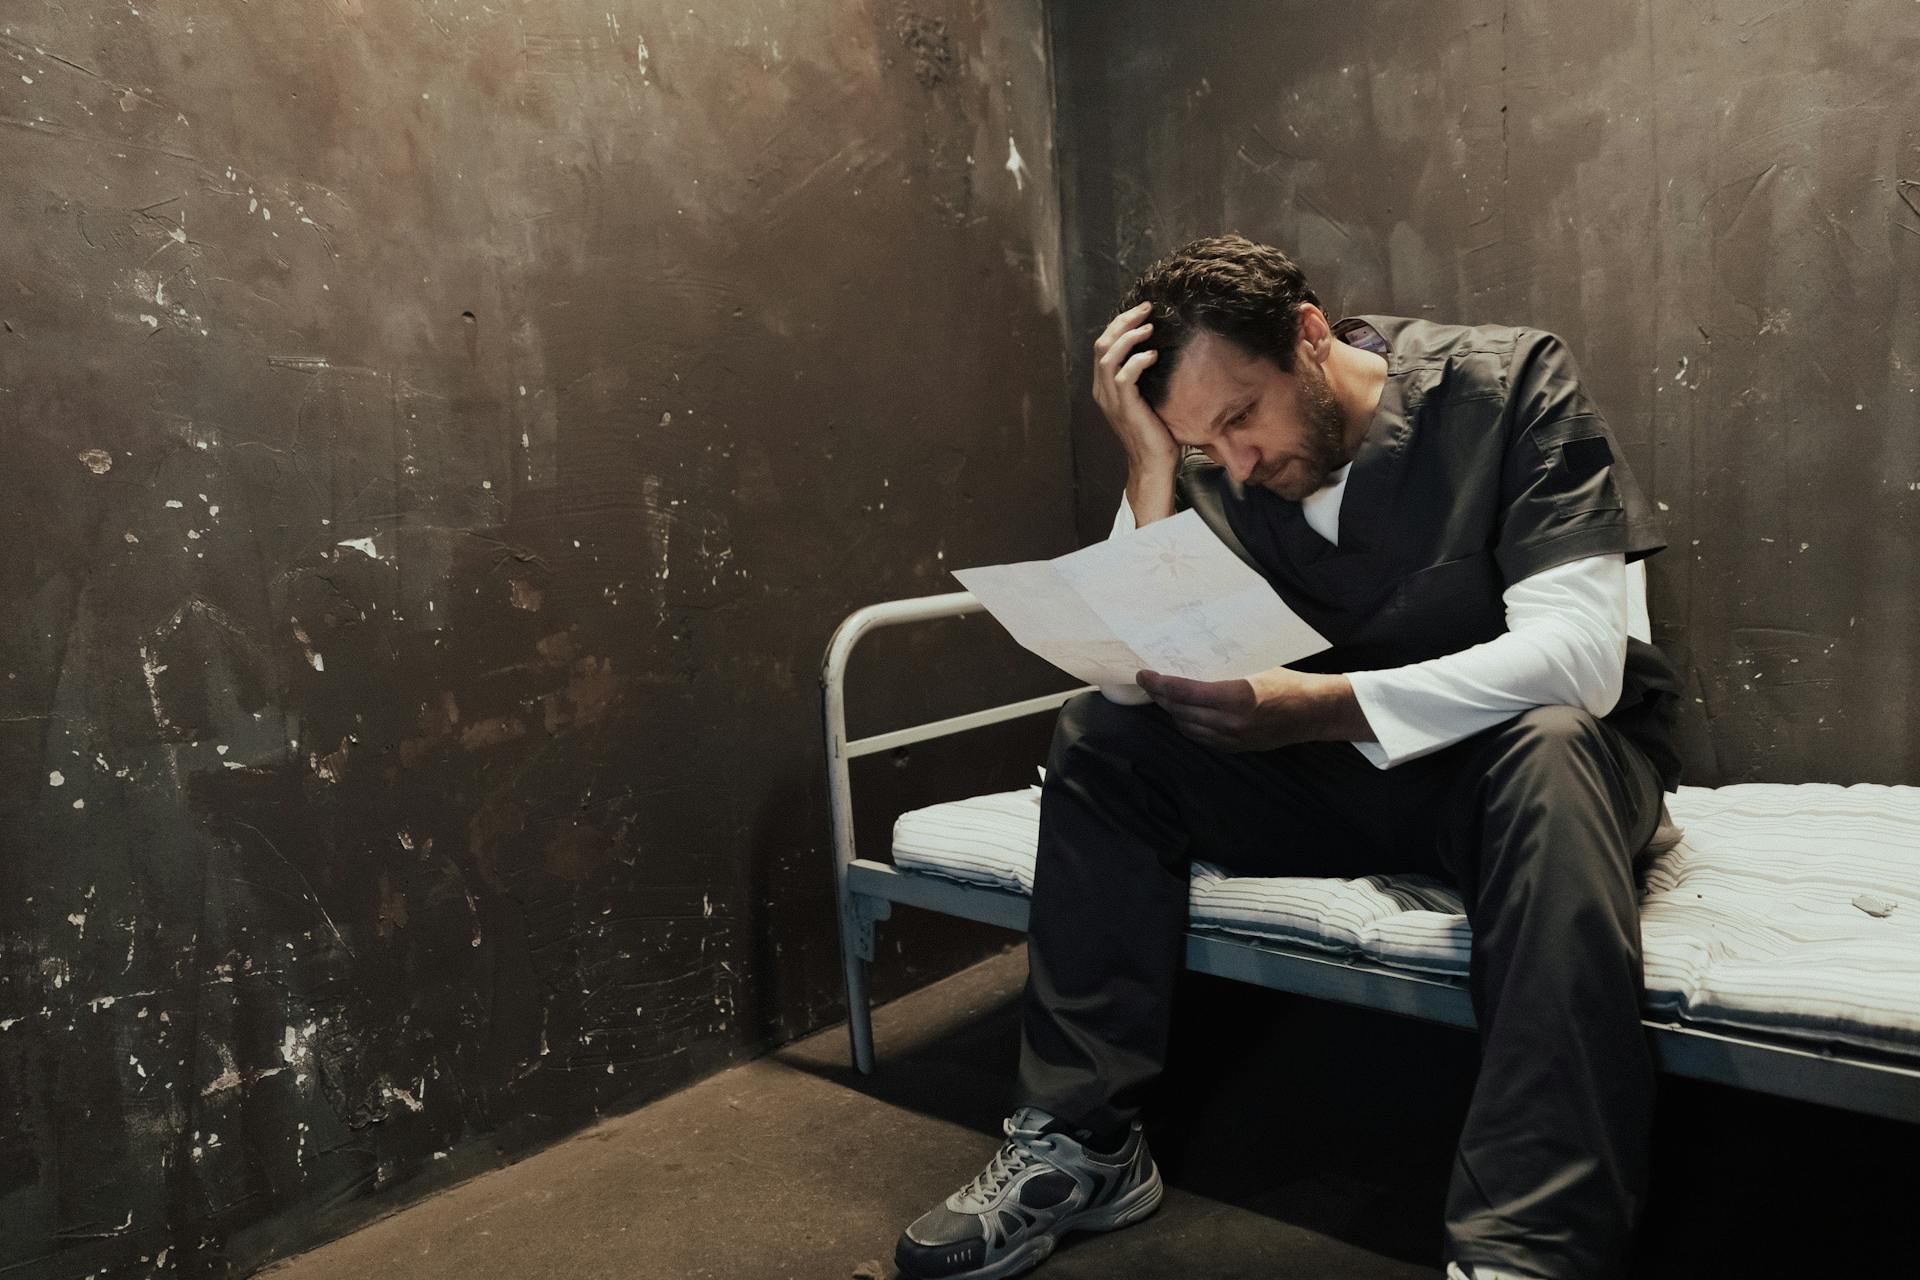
[1282, 431]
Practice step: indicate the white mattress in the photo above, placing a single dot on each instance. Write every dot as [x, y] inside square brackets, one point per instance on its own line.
[1761, 918]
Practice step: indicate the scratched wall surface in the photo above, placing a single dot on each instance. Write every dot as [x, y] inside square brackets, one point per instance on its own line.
[1717, 204]
[439, 439]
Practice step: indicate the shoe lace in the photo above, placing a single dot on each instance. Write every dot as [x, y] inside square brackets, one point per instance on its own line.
[1016, 1154]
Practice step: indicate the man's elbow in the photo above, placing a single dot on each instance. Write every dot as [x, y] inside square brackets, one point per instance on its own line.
[1592, 670]
[1599, 697]
[1604, 676]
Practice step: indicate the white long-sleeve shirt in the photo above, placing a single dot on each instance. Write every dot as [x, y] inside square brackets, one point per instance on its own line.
[1565, 643]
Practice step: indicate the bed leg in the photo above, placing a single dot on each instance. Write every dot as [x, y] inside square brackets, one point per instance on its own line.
[856, 948]
[859, 1016]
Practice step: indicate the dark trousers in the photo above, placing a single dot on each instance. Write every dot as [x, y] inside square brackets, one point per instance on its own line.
[1537, 820]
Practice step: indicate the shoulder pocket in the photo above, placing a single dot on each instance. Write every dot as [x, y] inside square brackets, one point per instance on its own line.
[1579, 458]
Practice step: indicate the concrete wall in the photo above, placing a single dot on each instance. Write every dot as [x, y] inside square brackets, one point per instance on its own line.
[438, 442]
[1717, 205]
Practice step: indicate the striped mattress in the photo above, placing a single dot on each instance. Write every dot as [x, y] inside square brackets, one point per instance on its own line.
[1791, 910]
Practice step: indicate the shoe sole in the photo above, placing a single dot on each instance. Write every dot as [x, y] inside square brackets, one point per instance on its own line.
[1125, 1211]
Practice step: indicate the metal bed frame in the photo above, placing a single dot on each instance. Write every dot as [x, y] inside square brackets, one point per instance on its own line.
[865, 890]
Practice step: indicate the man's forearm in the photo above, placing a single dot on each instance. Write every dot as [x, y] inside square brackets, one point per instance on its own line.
[1337, 714]
[1149, 493]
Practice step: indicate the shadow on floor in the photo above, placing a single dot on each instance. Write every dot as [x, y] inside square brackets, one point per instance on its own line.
[1297, 1110]
[1340, 1122]
[1299, 1139]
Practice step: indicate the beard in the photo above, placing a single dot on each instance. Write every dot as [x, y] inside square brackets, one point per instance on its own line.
[1322, 449]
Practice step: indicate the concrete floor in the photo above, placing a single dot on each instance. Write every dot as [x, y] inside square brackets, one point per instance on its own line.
[794, 1166]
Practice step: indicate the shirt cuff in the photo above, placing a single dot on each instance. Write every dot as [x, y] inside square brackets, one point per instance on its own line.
[1394, 740]
[1376, 754]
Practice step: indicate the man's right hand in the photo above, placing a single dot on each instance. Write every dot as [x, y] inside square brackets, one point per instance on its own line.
[1116, 377]
[1152, 455]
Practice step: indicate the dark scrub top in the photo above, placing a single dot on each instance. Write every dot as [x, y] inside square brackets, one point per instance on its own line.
[1485, 463]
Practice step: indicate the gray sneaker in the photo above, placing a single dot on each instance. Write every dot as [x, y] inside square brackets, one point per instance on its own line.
[1456, 1272]
[1037, 1187]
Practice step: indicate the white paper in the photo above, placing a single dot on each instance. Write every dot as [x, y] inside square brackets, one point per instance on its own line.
[1169, 597]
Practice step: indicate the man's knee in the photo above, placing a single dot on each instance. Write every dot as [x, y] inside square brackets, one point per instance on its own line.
[1555, 728]
[1546, 797]
[1557, 747]
[1091, 724]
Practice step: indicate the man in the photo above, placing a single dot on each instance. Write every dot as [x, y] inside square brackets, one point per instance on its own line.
[1447, 507]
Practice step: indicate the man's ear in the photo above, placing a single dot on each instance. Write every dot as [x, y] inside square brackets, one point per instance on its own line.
[1316, 333]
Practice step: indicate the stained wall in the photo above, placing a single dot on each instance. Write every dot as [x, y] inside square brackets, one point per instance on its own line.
[439, 440]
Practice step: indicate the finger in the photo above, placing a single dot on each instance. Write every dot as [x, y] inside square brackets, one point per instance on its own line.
[1212, 719]
[1120, 323]
[1207, 737]
[1125, 343]
[1222, 694]
[1115, 327]
[1224, 723]
[1159, 685]
[1136, 364]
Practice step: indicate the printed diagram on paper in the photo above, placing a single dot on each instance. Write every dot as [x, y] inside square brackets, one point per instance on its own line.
[1169, 597]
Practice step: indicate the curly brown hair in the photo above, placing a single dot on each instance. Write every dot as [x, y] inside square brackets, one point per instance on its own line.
[1246, 292]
